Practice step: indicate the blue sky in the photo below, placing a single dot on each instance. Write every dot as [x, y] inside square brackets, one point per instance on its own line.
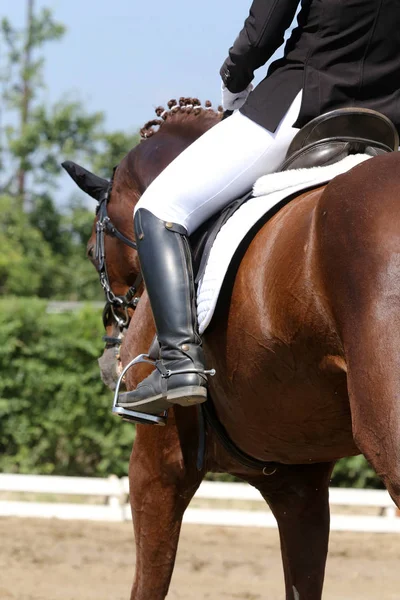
[125, 57]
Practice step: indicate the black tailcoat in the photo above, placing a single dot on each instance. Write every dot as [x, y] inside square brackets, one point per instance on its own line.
[342, 53]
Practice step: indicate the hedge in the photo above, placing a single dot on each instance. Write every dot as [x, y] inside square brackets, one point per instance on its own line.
[55, 413]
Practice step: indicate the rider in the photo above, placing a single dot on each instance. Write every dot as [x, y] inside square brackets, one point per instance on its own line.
[342, 53]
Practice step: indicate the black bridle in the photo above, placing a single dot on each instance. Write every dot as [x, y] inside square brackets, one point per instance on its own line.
[114, 304]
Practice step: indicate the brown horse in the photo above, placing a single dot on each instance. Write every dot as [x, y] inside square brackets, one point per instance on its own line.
[305, 343]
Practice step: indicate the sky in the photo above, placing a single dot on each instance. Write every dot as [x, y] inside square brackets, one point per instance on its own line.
[126, 57]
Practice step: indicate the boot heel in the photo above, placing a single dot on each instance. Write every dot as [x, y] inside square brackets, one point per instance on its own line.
[188, 396]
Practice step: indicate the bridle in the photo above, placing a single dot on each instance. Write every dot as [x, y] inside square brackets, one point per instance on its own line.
[114, 304]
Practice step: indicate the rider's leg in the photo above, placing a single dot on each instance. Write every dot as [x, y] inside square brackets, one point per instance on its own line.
[221, 165]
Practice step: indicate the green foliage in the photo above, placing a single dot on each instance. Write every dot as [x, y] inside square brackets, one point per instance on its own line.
[43, 253]
[64, 129]
[114, 146]
[55, 413]
[73, 276]
[26, 261]
[355, 472]
[42, 28]
[38, 135]
[21, 75]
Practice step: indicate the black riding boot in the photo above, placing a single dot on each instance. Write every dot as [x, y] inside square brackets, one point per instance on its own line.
[166, 264]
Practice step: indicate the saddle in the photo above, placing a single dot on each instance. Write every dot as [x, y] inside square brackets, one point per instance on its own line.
[339, 133]
[323, 141]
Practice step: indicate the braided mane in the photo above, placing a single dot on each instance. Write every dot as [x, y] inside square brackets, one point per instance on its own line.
[185, 113]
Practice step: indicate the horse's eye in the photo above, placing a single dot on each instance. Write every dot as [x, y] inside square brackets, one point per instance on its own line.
[90, 252]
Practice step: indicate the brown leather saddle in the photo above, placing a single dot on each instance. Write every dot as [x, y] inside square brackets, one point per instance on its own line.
[339, 133]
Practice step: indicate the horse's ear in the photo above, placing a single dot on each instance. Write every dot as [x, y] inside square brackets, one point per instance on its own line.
[88, 182]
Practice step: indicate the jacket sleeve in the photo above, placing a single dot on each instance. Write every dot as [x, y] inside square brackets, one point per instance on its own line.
[262, 34]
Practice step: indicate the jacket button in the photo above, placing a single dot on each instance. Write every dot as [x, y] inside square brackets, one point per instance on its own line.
[185, 347]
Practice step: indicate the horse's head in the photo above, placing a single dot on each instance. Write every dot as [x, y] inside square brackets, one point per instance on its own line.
[111, 246]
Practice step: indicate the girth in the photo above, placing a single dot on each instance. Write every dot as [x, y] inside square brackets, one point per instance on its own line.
[339, 133]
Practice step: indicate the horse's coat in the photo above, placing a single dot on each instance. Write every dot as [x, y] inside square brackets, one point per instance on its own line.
[305, 342]
[270, 190]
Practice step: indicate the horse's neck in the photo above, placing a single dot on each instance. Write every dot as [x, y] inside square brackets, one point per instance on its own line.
[147, 160]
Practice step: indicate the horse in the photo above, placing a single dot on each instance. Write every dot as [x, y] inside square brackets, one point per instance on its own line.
[305, 346]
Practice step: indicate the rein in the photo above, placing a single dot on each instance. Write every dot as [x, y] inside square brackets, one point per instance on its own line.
[114, 304]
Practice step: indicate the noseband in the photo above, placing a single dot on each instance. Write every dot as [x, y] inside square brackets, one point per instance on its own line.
[114, 304]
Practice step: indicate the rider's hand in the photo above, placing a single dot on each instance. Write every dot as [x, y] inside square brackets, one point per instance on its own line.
[231, 101]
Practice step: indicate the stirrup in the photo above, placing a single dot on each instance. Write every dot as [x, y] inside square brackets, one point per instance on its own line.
[140, 417]
[132, 415]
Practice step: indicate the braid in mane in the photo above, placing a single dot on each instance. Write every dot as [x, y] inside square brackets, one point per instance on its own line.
[177, 112]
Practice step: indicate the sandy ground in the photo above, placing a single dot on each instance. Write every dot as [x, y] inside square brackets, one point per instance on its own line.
[70, 560]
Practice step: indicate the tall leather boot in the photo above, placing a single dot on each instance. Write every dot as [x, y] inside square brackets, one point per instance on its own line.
[166, 263]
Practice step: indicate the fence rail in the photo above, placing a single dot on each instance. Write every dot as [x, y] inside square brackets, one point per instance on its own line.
[68, 306]
[114, 492]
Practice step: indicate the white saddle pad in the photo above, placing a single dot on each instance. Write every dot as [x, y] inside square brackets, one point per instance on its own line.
[267, 191]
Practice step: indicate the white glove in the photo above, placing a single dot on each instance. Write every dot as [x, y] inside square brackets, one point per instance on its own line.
[231, 101]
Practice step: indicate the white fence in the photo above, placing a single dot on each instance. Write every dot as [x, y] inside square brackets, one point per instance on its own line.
[61, 307]
[114, 492]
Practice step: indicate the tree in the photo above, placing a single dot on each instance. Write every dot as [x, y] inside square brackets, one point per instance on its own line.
[36, 135]
[114, 146]
[34, 139]
[26, 261]
[55, 413]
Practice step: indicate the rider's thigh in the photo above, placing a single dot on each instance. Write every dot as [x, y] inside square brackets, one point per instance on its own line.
[221, 165]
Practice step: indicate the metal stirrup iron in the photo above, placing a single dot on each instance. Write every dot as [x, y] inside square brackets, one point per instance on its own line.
[132, 415]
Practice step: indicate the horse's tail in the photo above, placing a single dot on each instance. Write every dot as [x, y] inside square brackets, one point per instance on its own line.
[358, 241]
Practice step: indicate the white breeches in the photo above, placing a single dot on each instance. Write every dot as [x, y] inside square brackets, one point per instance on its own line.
[221, 165]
